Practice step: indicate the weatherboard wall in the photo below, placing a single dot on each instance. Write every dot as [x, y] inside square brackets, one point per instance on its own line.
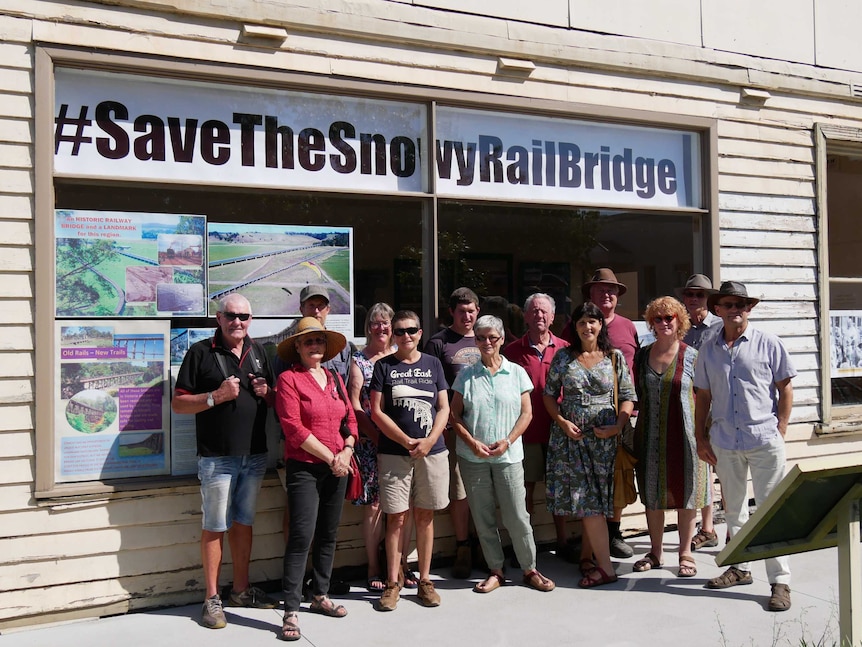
[93, 554]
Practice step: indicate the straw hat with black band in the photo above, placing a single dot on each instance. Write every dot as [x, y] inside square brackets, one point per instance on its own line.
[335, 341]
[731, 289]
[602, 275]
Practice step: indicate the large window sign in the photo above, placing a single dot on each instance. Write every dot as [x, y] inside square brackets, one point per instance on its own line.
[140, 128]
[482, 154]
[111, 411]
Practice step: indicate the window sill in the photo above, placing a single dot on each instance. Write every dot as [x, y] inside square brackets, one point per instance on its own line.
[94, 492]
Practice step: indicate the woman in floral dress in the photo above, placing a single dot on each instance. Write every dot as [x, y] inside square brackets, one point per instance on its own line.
[378, 331]
[582, 447]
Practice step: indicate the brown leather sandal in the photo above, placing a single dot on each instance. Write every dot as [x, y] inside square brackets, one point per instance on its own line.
[687, 566]
[647, 563]
[589, 582]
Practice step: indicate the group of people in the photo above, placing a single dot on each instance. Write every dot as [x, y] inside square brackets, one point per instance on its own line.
[471, 423]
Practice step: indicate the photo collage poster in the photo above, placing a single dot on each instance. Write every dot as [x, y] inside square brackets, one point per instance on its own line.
[111, 409]
[124, 264]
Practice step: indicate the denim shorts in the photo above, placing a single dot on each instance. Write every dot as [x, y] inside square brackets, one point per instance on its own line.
[229, 487]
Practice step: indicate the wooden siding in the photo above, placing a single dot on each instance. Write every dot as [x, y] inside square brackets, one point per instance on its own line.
[93, 555]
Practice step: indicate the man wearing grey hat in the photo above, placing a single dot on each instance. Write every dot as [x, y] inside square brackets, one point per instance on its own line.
[743, 378]
[693, 295]
[314, 302]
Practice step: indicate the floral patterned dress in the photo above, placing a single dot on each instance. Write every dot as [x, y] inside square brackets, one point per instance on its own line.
[366, 450]
[580, 473]
[670, 474]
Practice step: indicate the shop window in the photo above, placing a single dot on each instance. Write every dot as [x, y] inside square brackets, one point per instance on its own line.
[844, 182]
[112, 413]
[505, 253]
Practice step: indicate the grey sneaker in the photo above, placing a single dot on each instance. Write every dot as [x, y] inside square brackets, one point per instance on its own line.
[429, 597]
[252, 597]
[212, 615]
[620, 549]
[389, 598]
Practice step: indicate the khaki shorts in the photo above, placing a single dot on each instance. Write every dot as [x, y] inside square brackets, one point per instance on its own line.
[457, 491]
[425, 480]
[535, 457]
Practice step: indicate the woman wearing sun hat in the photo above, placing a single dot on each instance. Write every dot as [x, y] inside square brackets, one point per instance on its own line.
[311, 406]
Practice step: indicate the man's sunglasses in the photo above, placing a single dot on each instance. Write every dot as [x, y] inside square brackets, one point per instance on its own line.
[242, 316]
[400, 332]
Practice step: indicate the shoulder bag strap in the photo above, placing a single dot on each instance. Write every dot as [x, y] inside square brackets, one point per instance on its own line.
[220, 360]
[343, 399]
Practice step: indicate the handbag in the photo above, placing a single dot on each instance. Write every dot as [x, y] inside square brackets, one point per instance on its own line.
[354, 480]
[625, 492]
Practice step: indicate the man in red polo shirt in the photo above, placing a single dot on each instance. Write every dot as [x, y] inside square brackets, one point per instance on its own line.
[534, 351]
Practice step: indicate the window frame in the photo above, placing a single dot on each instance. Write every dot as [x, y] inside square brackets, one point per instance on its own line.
[831, 139]
[48, 58]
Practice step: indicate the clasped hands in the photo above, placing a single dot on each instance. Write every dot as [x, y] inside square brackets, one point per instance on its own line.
[340, 463]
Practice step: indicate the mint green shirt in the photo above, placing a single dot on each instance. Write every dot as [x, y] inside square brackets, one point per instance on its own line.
[492, 404]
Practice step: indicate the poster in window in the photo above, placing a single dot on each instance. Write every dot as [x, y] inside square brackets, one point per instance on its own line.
[111, 412]
[124, 264]
[845, 349]
[271, 264]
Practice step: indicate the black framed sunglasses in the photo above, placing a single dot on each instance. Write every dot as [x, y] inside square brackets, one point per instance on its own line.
[242, 316]
[400, 332]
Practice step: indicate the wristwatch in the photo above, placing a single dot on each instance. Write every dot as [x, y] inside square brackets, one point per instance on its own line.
[210, 400]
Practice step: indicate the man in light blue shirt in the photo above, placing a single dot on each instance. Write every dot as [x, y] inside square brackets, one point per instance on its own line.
[744, 375]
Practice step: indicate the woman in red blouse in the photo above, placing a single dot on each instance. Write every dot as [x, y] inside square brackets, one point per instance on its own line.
[311, 409]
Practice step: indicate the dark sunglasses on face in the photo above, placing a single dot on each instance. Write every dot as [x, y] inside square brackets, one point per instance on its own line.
[735, 305]
[694, 294]
[314, 341]
[666, 318]
[400, 332]
[491, 338]
[242, 316]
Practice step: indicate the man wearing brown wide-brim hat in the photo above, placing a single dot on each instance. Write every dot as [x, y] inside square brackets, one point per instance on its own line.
[743, 379]
[731, 289]
[602, 275]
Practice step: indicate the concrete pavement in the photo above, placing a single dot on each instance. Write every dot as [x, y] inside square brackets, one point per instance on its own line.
[652, 608]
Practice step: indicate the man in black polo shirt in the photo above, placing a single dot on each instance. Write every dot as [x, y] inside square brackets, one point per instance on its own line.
[226, 382]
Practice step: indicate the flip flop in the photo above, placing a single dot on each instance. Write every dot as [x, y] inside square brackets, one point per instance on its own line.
[648, 562]
[535, 580]
[374, 584]
[493, 582]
